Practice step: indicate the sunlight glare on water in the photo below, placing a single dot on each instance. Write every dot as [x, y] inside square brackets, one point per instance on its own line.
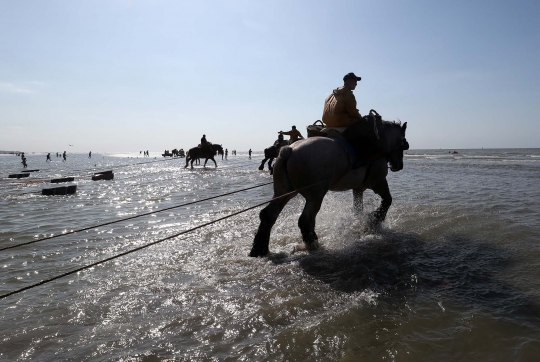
[454, 268]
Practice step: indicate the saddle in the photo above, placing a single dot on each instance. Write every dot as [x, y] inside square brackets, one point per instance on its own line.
[208, 145]
[361, 150]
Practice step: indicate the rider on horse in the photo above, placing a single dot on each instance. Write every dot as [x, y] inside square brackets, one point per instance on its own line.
[340, 113]
[277, 143]
[294, 133]
[205, 145]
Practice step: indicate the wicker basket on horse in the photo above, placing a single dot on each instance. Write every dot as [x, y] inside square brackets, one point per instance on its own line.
[314, 130]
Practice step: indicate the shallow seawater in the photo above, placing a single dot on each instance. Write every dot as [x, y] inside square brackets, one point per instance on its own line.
[453, 274]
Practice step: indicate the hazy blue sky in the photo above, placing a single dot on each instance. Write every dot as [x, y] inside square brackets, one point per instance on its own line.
[131, 75]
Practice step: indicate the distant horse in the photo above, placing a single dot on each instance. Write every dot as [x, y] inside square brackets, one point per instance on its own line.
[270, 153]
[314, 166]
[198, 152]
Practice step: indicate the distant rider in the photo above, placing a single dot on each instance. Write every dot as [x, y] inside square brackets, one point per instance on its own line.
[205, 145]
[277, 143]
[294, 134]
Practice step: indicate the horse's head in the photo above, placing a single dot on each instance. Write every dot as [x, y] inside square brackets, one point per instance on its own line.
[218, 149]
[395, 134]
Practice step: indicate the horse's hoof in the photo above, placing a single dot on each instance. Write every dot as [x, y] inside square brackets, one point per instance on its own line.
[261, 168]
[314, 245]
[258, 252]
[306, 247]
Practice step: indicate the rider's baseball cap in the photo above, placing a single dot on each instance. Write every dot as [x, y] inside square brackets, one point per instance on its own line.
[351, 76]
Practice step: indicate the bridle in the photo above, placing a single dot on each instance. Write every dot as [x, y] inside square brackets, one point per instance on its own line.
[404, 144]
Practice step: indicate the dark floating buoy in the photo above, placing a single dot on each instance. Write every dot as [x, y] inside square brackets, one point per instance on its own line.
[19, 175]
[63, 190]
[60, 180]
[107, 175]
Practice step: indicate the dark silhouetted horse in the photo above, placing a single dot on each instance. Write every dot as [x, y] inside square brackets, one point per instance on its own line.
[198, 152]
[270, 153]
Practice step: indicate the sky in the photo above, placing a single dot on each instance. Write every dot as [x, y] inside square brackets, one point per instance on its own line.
[122, 76]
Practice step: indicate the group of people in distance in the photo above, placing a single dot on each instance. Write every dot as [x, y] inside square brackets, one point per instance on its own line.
[63, 155]
[340, 113]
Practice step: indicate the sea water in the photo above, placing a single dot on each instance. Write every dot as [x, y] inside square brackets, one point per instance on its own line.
[452, 275]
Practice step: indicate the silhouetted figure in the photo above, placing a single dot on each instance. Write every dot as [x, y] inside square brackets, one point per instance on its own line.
[24, 162]
[65, 156]
[205, 144]
[249, 153]
[365, 134]
[90, 154]
[294, 134]
[277, 143]
[147, 153]
[48, 157]
[226, 153]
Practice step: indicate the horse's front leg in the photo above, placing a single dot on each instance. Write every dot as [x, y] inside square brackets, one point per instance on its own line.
[261, 167]
[383, 191]
[358, 201]
[215, 163]
[205, 161]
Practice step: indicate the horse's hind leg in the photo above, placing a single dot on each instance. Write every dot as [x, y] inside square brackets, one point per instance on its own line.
[268, 217]
[307, 219]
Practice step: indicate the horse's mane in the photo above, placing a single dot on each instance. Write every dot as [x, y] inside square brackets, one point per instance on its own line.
[392, 123]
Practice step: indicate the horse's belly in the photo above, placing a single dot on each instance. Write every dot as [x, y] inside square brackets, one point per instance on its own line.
[351, 180]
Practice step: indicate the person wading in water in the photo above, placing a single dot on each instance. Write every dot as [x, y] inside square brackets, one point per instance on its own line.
[341, 114]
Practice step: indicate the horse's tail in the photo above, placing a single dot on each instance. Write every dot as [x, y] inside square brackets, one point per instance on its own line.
[285, 153]
[281, 175]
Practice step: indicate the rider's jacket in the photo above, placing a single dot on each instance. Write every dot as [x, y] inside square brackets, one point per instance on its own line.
[340, 108]
[294, 133]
